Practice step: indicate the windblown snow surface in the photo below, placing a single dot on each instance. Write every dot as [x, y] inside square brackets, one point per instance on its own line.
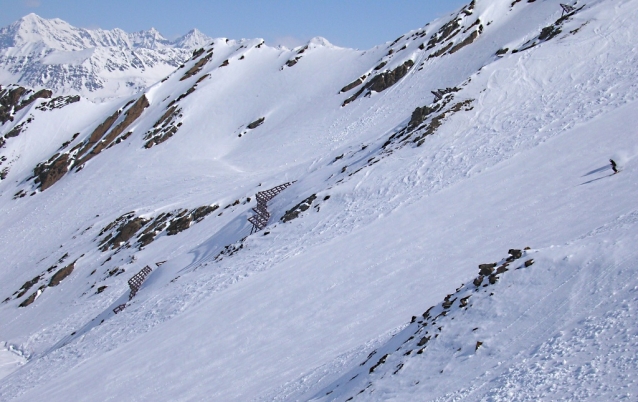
[332, 305]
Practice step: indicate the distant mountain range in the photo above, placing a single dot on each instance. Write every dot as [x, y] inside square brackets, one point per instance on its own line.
[95, 63]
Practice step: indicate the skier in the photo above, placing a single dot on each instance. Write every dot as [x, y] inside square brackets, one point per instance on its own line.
[614, 166]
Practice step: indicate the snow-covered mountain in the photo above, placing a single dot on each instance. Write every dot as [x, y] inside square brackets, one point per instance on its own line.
[94, 63]
[432, 219]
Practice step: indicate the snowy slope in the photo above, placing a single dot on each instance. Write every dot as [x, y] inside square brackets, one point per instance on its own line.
[411, 194]
[53, 54]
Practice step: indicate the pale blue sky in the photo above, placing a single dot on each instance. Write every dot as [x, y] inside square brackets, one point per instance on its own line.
[352, 23]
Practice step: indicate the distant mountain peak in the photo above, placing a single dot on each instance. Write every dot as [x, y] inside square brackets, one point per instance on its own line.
[194, 38]
[319, 41]
[39, 52]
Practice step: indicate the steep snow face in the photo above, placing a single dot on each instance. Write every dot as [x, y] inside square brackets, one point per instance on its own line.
[409, 165]
[96, 63]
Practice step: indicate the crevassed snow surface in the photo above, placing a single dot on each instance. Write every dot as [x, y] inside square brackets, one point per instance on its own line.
[295, 312]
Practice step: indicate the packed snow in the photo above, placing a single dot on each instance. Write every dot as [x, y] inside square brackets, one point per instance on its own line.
[382, 223]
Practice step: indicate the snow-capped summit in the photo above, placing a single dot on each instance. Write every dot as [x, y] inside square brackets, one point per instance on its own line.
[150, 39]
[193, 39]
[319, 41]
[96, 63]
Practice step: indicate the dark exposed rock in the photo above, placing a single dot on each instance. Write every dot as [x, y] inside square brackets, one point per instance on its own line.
[116, 222]
[9, 99]
[197, 67]
[529, 263]
[437, 121]
[426, 314]
[353, 97]
[292, 62]
[61, 275]
[515, 253]
[380, 66]
[127, 231]
[423, 341]
[185, 94]
[202, 78]
[48, 173]
[256, 123]
[15, 98]
[383, 81]
[200, 213]
[380, 362]
[294, 212]
[493, 278]
[164, 128]
[179, 225]
[502, 51]
[467, 41]
[43, 93]
[441, 51]
[396, 40]
[99, 132]
[197, 53]
[478, 345]
[101, 289]
[447, 31]
[486, 269]
[18, 129]
[225, 63]
[66, 143]
[477, 282]
[352, 85]
[419, 115]
[549, 32]
[148, 235]
[448, 303]
[29, 300]
[27, 285]
[146, 239]
[115, 272]
[132, 114]
[119, 232]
